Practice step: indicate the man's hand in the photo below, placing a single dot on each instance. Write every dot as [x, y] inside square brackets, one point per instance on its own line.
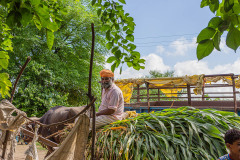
[105, 112]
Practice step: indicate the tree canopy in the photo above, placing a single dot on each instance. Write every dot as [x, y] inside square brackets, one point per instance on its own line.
[46, 16]
[227, 18]
[56, 34]
[58, 76]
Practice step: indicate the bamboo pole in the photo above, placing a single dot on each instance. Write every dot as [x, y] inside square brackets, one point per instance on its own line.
[90, 95]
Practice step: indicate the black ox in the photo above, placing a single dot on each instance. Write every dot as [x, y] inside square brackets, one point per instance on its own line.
[54, 115]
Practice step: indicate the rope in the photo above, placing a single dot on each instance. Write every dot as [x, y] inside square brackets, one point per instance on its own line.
[31, 152]
[13, 146]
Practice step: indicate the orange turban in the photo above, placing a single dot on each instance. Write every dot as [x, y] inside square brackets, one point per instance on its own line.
[106, 73]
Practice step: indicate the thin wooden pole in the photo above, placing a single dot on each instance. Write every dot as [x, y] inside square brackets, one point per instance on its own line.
[8, 133]
[92, 97]
[5, 144]
[147, 85]
[18, 77]
[234, 94]
[189, 95]
[158, 94]
[138, 93]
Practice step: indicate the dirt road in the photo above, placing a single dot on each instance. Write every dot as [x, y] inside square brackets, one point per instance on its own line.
[20, 150]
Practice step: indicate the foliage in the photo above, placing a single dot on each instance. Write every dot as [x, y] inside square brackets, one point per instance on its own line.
[5, 46]
[183, 133]
[153, 74]
[58, 76]
[157, 74]
[119, 29]
[45, 16]
[227, 18]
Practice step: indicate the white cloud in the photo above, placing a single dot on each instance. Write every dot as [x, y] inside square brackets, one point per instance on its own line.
[153, 62]
[191, 68]
[201, 67]
[160, 49]
[181, 46]
[228, 68]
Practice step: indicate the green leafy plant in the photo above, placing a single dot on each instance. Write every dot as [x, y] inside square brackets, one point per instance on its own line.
[119, 29]
[183, 133]
[58, 76]
[227, 13]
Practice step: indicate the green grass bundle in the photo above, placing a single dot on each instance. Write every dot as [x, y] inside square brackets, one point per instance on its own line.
[185, 133]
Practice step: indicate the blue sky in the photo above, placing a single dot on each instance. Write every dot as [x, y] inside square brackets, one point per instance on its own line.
[165, 35]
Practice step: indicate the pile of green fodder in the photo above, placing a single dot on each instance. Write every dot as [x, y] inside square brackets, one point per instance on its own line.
[185, 133]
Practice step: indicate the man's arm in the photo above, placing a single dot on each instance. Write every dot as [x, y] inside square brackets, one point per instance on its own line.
[105, 112]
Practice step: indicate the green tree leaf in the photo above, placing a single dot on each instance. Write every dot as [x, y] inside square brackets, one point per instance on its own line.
[233, 40]
[37, 22]
[217, 40]
[118, 54]
[215, 22]
[137, 67]
[26, 16]
[124, 41]
[4, 59]
[115, 49]
[109, 45]
[122, 1]
[99, 11]
[206, 33]
[111, 59]
[130, 37]
[93, 2]
[50, 39]
[228, 4]
[129, 64]
[113, 67]
[204, 49]
[236, 8]
[125, 28]
[132, 46]
[135, 54]
[108, 35]
[204, 3]
[35, 2]
[121, 70]
[5, 84]
[141, 60]
[214, 5]
[105, 27]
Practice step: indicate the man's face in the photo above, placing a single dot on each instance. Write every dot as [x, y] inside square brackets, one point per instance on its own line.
[106, 82]
[234, 148]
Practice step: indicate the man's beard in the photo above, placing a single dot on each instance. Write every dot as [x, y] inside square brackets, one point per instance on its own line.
[107, 84]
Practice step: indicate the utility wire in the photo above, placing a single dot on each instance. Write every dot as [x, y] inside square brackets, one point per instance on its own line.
[167, 36]
[181, 40]
[165, 45]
